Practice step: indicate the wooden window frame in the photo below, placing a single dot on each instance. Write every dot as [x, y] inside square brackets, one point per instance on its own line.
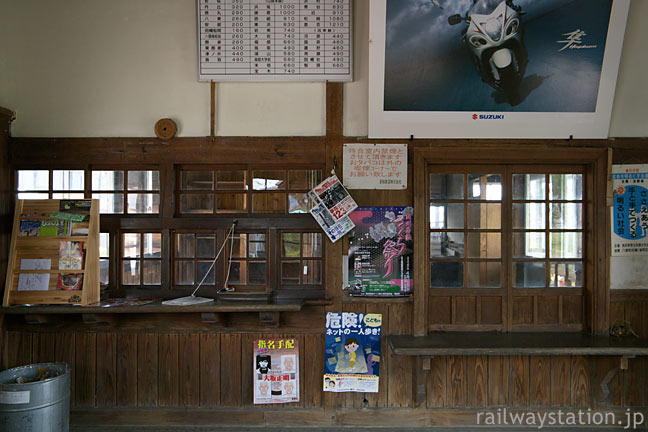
[594, 162]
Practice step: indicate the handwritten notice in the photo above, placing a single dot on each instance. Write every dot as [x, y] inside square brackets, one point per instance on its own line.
[34, 281]
[375, 166]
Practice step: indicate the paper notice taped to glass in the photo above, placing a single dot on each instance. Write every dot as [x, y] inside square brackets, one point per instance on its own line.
[332, 205]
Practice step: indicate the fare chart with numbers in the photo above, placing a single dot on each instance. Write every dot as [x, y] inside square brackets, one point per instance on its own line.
[274, 40]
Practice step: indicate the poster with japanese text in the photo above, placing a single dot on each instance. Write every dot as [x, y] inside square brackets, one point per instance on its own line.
[276, 371]
[352, 352]
[381, 252]
[375, 166]
[630, 210]
[332, 204]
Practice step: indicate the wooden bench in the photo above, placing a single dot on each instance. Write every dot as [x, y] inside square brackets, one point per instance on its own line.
[491, 343]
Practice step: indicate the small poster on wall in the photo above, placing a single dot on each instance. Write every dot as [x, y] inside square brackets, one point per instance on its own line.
[375, 166]
[276, 371]
[332, 205]
[352, 352]
[630, 210]
[381, 252]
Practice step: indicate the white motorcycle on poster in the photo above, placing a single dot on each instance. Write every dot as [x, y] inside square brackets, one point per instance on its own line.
[495, 38]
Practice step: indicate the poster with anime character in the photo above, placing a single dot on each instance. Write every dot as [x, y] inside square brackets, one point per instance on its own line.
[381, 252]
[276, 371]
[352, 352]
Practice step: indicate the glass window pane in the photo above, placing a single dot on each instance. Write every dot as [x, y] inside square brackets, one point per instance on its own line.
[446, 186]
[566, 215]
[104, 271]
[529, 216]
[485, 187]
[529, 245]
[67, 180]
[311, 245]
[184, 272]
[33, 180]
[104, 245]
[231, 203]
[206, 245]
[184, 246]
[446, 244]
[143, 203]
[484, 245]
[566, 186]
[198, 203]
[144, 180]
[529, 186]
[566, 275]
[290, 272]
[268, 180]
[238, 272]
[257, 275]
[529, 274]
[484, 274]
[152, 272]
[290, 245]
[68, 195]
[448, 216]
[566, 245]
[130, 272]
[131, 245]
[231, 180]
[107, 180]
[239, 245]
[152, 245]
[312, 272]
[298, 203]
[28, 196]
[203, 266]
[197, 180]
[257, 246]
[446, 275]
[110, 203]
[485, 216]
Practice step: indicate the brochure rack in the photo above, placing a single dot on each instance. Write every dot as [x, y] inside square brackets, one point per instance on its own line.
[33, 255]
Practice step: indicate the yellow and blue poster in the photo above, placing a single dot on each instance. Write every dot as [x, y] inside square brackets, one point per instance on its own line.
[352, 352]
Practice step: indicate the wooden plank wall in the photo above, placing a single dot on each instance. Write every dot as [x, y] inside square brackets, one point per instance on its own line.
[213, 370]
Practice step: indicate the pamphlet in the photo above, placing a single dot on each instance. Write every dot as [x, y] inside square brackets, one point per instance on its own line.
[29, 228]
[34, 281]
[70, 255]
[332, 204]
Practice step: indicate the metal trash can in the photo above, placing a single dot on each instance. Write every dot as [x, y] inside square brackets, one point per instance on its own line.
[35, 406]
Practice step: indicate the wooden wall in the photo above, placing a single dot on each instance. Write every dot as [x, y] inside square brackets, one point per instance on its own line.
[213, 369]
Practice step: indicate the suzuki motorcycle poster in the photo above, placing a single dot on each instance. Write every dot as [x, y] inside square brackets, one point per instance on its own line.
[381, 252]
[494, 68]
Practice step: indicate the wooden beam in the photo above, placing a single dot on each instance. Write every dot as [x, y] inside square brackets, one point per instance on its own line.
[334, 110]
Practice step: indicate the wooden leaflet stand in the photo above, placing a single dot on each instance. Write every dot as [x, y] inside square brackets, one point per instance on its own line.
[38, 247]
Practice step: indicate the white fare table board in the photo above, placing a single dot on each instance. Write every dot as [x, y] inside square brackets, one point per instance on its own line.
[274, 40]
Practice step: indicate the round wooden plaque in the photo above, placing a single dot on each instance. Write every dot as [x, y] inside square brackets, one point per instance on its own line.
[165, 128]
